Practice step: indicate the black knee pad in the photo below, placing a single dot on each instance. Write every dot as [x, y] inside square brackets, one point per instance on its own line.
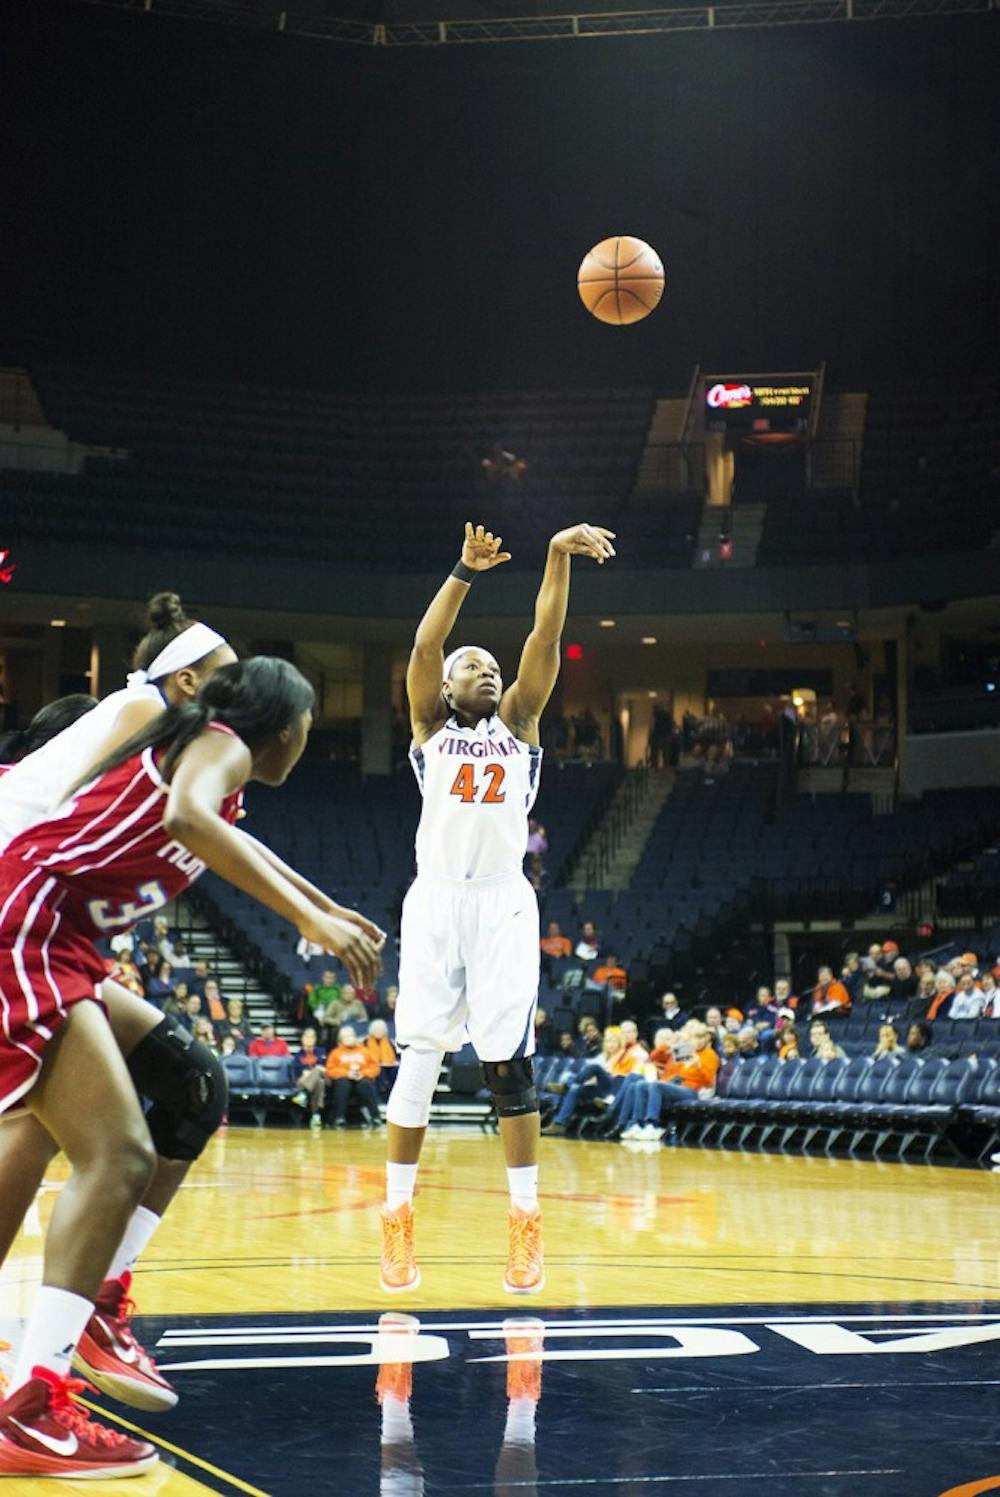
[186, 1085]
[512, 1083]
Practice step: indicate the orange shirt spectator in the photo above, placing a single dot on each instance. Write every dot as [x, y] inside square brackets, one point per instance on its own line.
[632, 1056]
[554, 943]
[829, 993]
[381, 1049]
[700, 1071]
[352, 1061]
[612, 973]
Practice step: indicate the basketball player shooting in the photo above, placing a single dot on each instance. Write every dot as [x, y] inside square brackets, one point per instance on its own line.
[469, 955]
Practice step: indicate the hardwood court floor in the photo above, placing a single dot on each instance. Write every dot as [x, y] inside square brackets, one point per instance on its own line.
[279, 1221]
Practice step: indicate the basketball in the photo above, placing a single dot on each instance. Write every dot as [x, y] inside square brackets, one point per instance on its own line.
[620, 280]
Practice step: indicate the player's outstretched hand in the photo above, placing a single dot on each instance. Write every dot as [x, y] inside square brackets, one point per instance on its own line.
[585, 540]
[374, 932]
[348, 941]
[481, 549]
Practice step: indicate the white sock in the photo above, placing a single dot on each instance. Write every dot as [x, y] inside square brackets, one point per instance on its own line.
[142, 1224]
[54, 1327]
[400, 1180]
[397, 1425]
[520, 1429]
[524, 1186]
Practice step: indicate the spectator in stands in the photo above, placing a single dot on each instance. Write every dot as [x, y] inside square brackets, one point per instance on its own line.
[323, 993]
[927, 988]
[160, 986]
[536, 875]
[597, 1079]
[126, 972]
[879, 960]
[944, 991]
[164, 942]
[554, 943]
[202, 1030]
[823, 1043]
[228, 1046]
[588, 945]
[310, 1077]
[214, 1006]
[200, 977]
[888, 1042]
[380, 1046]
[991, 996]
[387, 1009]
[967, 1000]
[763, 1013]
[267, 1042]
[732, 1020]
[852, 975]
[685, 1079]
[544, 1033]
[613, 974]
[351, 1007]
[566, 1043]
[785, 1000]
[788, 1043]
[748, 1043]
[178, 1005]
[919, 1036]
[234, 1025]
[715, 1025]
[904, 984]
[671, 1015]
[591, 1042]
[829, 995]
[181, 958]
[352, 1070]
[622, 1113]
[538, 844]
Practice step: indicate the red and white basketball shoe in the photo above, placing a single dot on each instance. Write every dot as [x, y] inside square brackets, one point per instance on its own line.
[111, 1358]
[45, 1432]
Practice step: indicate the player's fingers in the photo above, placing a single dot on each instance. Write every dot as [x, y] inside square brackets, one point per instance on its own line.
[479, 532]
[468, 530]
[504, 556]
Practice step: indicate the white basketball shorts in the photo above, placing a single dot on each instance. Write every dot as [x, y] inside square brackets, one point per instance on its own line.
[469, 960]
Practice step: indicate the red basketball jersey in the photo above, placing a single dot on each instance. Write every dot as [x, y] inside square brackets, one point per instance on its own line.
[108, 851]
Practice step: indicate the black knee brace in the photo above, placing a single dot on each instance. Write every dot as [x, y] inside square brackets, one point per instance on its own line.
[512, 1083]
[185, 1083]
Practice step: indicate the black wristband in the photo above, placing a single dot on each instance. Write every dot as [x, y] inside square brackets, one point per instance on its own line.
[462, 572]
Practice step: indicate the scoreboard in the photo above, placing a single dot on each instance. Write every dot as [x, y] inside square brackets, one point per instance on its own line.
[762, 403]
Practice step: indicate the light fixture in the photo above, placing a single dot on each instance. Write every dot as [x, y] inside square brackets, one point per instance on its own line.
[652, 694]
[608, 623]
[649, 639]
[57, 623]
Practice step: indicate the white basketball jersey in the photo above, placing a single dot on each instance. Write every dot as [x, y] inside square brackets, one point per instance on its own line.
[32, 789]
[478, 785]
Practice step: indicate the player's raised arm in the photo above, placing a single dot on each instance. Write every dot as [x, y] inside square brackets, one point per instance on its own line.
[425, 672]
[524, 702]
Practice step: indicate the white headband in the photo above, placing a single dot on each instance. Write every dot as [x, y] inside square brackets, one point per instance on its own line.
[184, 649]
[455, 654]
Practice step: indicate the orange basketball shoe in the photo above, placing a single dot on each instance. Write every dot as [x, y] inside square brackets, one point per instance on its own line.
[524, 1340]
[525, 1263]
[45, 1432]
[112, 1359]
[399, 1269]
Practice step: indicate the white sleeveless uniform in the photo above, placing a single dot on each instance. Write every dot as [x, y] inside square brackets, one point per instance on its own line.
[32, 789]
[469, 954]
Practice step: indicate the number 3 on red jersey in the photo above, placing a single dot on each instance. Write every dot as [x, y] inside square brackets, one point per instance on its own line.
[108, 914]
[466, 789]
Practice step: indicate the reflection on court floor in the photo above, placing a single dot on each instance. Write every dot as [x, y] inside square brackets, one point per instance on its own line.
[778, 1401]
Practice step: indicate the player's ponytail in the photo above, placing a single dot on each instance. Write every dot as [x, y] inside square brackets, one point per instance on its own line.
[47, 723]
[256, 698]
